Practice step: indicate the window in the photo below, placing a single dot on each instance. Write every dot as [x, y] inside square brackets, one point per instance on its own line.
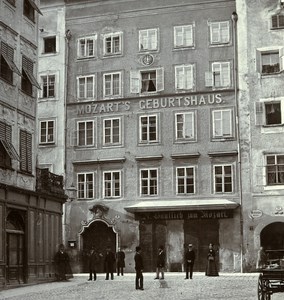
[86, 133]
[48, 86]
[29, 9]
[268, 113]
[112, 43]
[270, 63]
[185, 126]
[277, 21]
[7, 65]
[28, 79]
[148, 39]
[112, 184]
[86, 185]
[147, 81]
[219, 33]
[112, 84]
[47, 132]
[49, 44]
[183, 36]
[149, 182]
[220, 76]
[86, 87]
[25, 151]
[222, 123]
[184, 77]
[112, 132]
[185, 180]
[223, 178]
[7, 150]
[275, 169]
[148, 129]
[86, 47]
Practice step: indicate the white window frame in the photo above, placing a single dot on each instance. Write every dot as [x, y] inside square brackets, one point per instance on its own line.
[184, 77]
[93, 92]
[181, 39]
[85, 188]
[279, 169]
[219, 121]
[112, 36]
[93, 129]
[112, 95]
[48, 76]
[221, 69]
[148, 179]
[192, 126]
[112, 183]
[223, 166]
[111, 130]
[136, 81]
[222, 37]
[148, 140]
[85, 53]
[184, 179]
[47, 134]
[146, 43]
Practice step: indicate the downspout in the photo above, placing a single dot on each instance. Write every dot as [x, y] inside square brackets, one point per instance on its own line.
[66, 64]
[234, 20]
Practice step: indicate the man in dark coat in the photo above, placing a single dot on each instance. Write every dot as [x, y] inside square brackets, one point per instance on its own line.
[189, 261]
[109, 263]
[161, 261]
[94, 260]
[120, 263]
[139, 269]
[61, 260]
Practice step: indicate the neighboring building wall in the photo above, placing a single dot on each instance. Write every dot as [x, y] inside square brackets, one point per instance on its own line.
[93, 159]
[30, 220]
[260, 48]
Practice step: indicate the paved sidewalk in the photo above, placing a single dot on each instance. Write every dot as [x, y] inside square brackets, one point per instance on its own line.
[228, 286]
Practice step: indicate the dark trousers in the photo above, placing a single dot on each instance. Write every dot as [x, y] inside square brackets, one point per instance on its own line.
[189, 268]
[109, 270]
[93, 271]
[139, 280]
[119, 271]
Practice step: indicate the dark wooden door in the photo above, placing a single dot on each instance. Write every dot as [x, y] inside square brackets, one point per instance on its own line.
[100, 236]
[201, 233]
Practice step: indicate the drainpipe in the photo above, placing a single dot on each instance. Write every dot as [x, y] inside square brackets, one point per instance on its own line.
[234, 20]
[66, 64]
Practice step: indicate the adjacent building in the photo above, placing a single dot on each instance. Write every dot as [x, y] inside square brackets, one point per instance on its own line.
[261, 101]
[152, 133]
[30, 198]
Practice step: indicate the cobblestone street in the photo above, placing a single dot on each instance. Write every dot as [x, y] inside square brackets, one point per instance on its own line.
[224, 287]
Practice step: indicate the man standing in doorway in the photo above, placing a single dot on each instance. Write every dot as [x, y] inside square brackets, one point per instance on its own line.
[139, 269]
[189, 261]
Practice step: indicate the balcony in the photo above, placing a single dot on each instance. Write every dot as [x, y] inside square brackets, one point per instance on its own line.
[49, 183]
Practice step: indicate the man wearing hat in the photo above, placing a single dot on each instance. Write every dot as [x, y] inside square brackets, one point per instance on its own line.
[139, 269]
[189, 261]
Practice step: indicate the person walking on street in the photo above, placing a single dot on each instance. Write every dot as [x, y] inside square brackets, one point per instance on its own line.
[93, 263]
[189, 261]
[139, 269]
[61, 260]
[109, 263]
[211, 267]
[120, 263]
[161, 261]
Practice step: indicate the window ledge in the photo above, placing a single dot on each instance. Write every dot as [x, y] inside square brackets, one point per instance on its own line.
[25, 173]
[100, 161]
[274, 187]
[185, 155]
[149, 157]
[223, 153]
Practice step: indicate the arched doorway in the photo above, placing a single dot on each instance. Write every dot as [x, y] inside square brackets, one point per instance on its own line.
[101, 236]
[272, 239]
[15, 248]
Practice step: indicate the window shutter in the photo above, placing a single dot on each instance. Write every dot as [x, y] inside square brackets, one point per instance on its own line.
[29, 152]
[259, 113]
[208, 79]
[160, 79]
[135, 82]
[281, 59]
[258, 61]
